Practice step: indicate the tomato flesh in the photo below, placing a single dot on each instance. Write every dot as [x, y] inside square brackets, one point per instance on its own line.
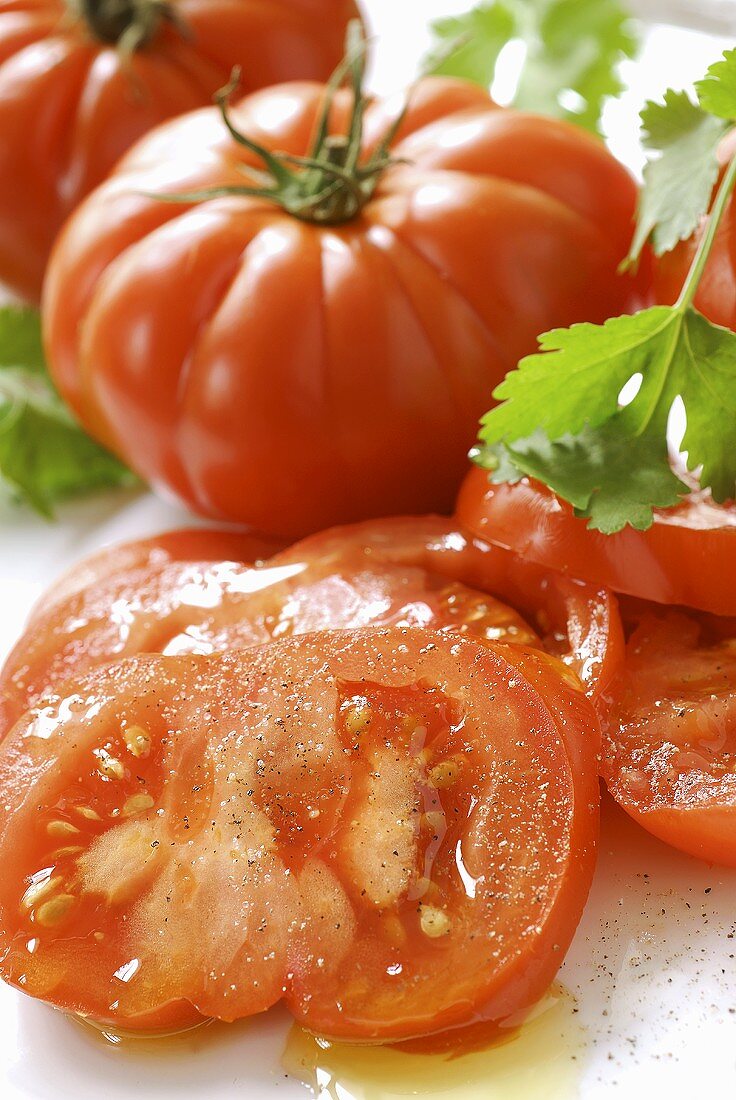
[383, 828]
[578, 622]
[419, 572]
[670, 732]
[139, 600]
[681, 559]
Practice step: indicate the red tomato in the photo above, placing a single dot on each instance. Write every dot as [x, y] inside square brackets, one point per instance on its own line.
[382, 828]
[140, 600]
[195, 544]
[681, 559]
[578, 622]
[670, 740]
[73, 99]
[417, 572]
[290, 374]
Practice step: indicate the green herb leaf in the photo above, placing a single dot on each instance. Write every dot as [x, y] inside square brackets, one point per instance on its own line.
[717, 90]
[44, 455]
[707, 385]
[573, 49]
[577, 376]
[610, 476]
[469, 45]
[678, 183]
[573, 57]
[562, 422]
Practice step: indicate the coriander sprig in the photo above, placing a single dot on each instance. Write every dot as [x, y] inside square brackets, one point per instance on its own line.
[572, 50]
[561, 419]
[44, 455]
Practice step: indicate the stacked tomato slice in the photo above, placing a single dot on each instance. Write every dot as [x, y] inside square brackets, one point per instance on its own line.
[669, 713]
[359, 775]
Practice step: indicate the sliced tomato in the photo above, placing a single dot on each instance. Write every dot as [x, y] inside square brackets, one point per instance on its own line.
[384, 828]
[142, 599]
[670, 732]
[681, 559]
[577, 622]
[416, 572]
[191, 544]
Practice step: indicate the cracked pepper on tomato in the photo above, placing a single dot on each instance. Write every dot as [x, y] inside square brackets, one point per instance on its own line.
[392, 831]
[293, 346]
[82, 80]
[184, 593]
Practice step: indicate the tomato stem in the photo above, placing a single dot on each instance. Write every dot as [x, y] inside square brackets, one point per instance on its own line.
[694, 275]
[128, 24]
[330, 185]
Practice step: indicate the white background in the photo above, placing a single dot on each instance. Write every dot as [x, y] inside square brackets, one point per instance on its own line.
[652, 968]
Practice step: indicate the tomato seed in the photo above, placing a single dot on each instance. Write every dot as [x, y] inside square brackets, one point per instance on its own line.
[54, 911]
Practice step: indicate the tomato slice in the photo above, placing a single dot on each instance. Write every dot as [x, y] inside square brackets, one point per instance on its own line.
[577, 622]
[670, 732]
[418, 572]
[191, 544]
[384, 828]
[681, 559]
[140, 599]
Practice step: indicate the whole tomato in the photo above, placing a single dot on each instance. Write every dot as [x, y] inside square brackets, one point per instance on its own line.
[82, 80]
[293, 345]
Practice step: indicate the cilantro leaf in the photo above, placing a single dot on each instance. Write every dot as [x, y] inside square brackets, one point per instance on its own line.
[572, 51]
[717, 90]
[707, 385]
[469, 45]
[577, 376]
[573, 57]
[610, 477]
[44, 455]
[562, 423]
[679, 181]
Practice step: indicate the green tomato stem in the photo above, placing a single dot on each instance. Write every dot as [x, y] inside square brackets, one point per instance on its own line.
[694, 275]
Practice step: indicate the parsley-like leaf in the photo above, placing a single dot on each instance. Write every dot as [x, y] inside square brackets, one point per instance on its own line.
[572, 52]
[610, 476]
[578, 376]
[707, 385]
[562, 422]
[717, 90]
[469, 45]
[678, 182]
[44, 455]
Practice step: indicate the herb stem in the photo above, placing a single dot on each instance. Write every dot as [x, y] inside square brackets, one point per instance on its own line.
[692, 282]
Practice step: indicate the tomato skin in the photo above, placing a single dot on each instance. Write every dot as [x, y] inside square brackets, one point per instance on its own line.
[334, 373]
[669, 724]
[71, 106]
[681, 559]
[475, 705]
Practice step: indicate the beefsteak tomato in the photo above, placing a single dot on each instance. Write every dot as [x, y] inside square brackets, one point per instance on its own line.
[317, 348]
[82, 80]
